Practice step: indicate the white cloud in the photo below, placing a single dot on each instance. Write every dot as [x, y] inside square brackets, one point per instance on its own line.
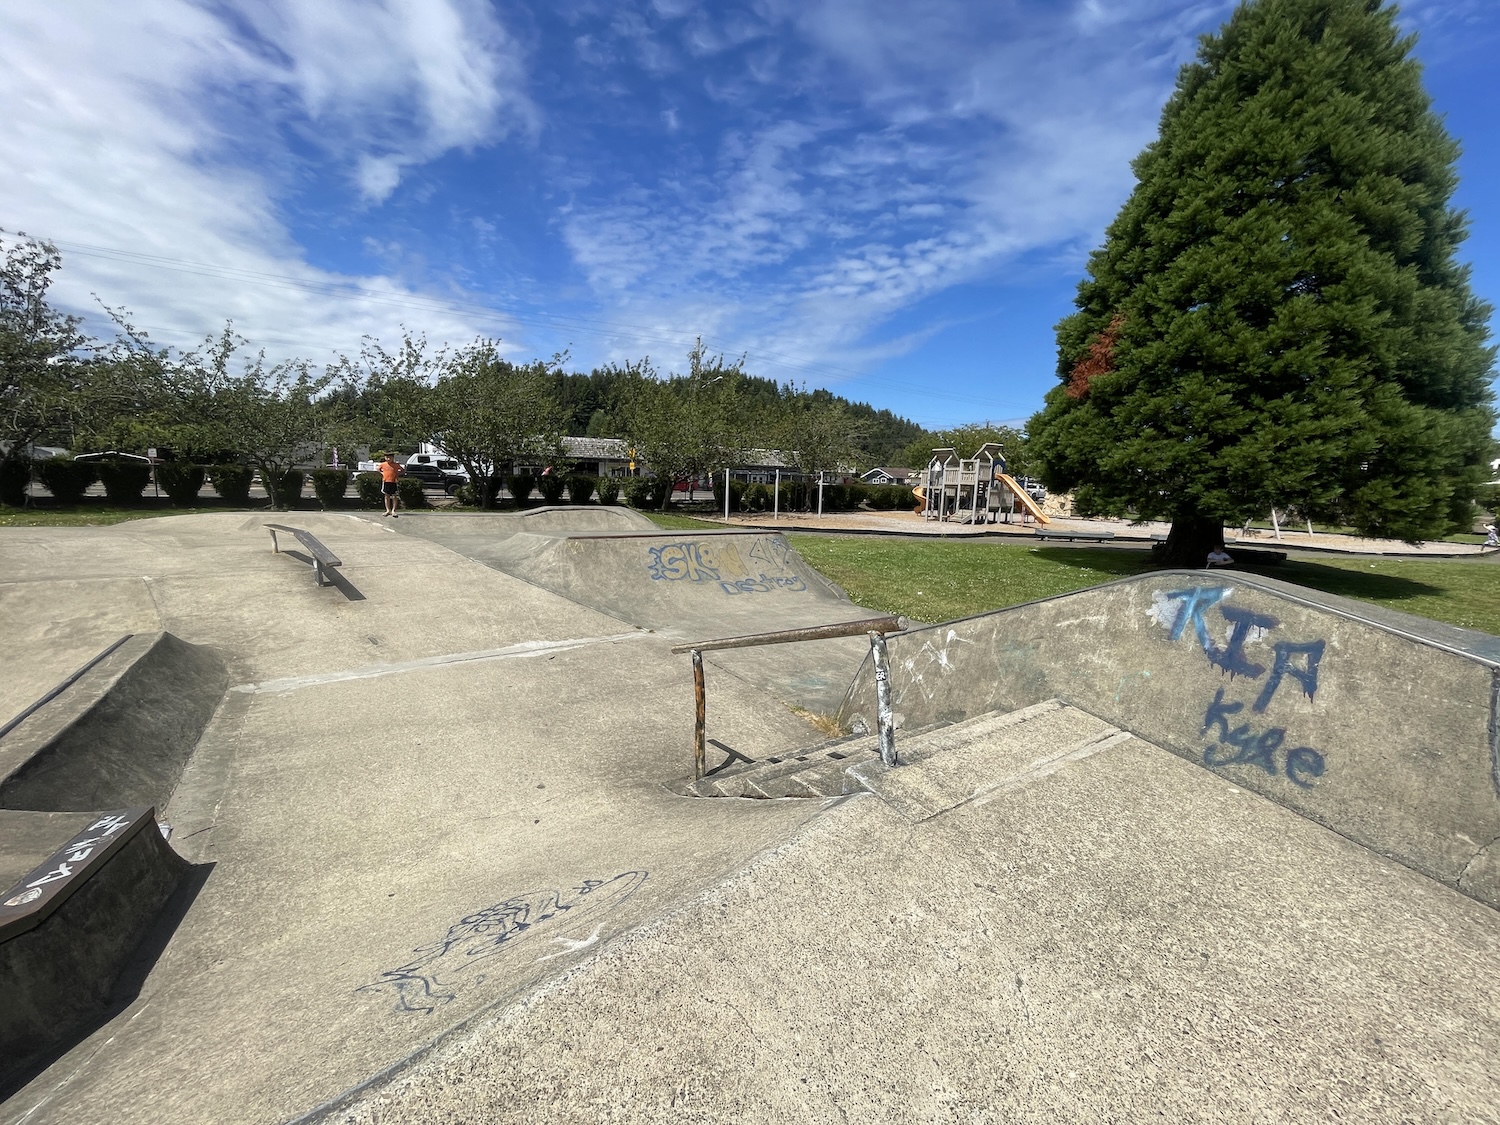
[928, 149]
[159, 128]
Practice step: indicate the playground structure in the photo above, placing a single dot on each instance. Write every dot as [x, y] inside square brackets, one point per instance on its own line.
[973, 490]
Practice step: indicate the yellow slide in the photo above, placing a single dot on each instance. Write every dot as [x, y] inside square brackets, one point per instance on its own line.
[1021, 494]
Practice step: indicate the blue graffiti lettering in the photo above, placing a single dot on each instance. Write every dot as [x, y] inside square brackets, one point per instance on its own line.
[1281, 665]
[764, 584]
[677, 562]
[1232, 656]
[1194, 603]
[1303, 762]
[1242, 746]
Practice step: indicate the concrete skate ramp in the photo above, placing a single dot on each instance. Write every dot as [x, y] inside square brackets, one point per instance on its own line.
[1377, 724]
[684, 581]
[1105, 933]
[687, 585]
[83, 891]
[569, 520]
[118, 736]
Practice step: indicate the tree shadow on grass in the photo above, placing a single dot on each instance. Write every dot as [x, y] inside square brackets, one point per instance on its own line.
[1114, 562]
[1117, 562]
[1360, 584]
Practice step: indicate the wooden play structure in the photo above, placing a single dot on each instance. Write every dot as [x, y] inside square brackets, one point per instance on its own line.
[973, 490]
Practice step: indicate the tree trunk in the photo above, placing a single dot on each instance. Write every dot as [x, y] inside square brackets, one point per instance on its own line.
[1190, 541]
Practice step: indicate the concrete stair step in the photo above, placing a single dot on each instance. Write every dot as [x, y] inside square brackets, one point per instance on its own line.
[984, 756]
[923, 784]
[751, 780]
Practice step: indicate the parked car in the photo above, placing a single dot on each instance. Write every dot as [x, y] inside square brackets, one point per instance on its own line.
[1033, 488]
[435, 471]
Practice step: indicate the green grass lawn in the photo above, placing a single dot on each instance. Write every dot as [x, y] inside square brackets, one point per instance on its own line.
[89, 515]
[942, 580]
[671, 521]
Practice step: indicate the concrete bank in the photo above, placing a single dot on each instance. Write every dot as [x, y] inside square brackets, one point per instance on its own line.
[1106, 933]
[1379, 725]
[425, 792]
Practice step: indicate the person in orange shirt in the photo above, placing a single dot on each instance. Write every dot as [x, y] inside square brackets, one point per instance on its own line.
[390, 472]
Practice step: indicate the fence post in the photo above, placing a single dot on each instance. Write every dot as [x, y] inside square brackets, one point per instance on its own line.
[700, 753]
[885, 717]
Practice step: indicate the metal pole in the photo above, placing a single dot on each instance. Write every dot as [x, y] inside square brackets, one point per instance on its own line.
[820, 493]
[776, 498]
[726, 493]
[1276, 524]
[885, 716]
[700, 701]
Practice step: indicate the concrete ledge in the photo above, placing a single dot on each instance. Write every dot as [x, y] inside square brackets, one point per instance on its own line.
[118, 736]
[1379, 725]
[68, 928]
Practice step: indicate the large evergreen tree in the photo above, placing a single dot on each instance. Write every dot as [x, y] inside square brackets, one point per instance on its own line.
[1276, 317]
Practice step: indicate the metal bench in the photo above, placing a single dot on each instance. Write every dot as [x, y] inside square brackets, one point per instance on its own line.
[1064, 533]
[323, 560]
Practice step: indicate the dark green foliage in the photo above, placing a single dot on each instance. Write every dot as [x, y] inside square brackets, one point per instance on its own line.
[124, 480]
[232, 483]
[519, 487]
[551, 486]
[581, 488]
[889, 497]
[330, 485]
[67, 479]
[794, 494]
[287, 485]
[411, 494]
[367, 485]
[15, 474]
[737, 489]
[609, 490]
[1277, 317]
[180, 480]
[758, 498]
[647, 492]
[965, 441]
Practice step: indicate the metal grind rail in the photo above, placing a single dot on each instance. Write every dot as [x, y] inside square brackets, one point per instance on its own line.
[874, 627]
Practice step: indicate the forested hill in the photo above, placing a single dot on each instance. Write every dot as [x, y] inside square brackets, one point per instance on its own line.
[591, 403]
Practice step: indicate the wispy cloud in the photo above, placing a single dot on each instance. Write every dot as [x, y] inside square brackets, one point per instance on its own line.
[926, 147]
[173, 131]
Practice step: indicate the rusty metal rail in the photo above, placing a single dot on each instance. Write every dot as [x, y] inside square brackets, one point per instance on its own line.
[873, 627]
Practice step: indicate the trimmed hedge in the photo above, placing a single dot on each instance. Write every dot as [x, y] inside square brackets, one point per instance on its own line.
[15, 475]
[646, 492]
[288, 487]
[519, 487]
[330, 485]
[368, 487]
[66, 478]
[181, 481]
[232, 483]
[411, 494]
[124, 480]
[551, 486]
[581, 488]
[609, 490]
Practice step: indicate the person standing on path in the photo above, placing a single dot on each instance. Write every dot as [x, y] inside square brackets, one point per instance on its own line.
[390, 473]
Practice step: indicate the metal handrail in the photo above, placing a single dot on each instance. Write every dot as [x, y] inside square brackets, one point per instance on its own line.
[873, 627]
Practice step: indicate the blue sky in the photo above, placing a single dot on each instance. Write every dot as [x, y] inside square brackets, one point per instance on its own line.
[893, 200]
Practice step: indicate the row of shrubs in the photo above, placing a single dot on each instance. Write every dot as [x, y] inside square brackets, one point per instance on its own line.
[124, 482]
[579, 487]
[797, 495]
